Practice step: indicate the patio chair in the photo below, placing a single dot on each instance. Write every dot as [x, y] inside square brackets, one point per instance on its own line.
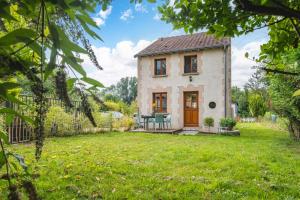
[159, 119]
[139, 122]
[168, 121]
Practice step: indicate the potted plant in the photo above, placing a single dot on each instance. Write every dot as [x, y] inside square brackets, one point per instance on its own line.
[209, 122]
[228, 123]
[153, 108]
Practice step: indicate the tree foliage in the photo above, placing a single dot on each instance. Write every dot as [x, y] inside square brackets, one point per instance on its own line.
[125, 90]
[257, 105]
[40, 39]
[281, 89]
[240, 97]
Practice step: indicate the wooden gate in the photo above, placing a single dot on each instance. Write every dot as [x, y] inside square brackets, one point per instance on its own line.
[19, 131]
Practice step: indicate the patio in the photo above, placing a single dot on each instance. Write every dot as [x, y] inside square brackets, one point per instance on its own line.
[168, 131]
[155, 123]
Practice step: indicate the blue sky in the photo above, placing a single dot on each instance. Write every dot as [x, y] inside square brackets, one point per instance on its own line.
[128, 28]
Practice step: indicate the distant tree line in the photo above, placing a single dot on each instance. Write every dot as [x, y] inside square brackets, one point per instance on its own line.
[125, 90]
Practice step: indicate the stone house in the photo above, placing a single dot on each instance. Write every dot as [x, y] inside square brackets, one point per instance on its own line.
[188, 76]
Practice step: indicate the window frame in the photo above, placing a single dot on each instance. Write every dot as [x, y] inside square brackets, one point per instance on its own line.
[190, 57]
[161, 109]
[161, 71]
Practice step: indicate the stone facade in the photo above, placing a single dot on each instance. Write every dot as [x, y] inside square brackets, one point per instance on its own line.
[209, 82]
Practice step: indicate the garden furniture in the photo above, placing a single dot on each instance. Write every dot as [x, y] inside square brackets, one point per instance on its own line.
[139, 121]
[151, 119]
[159, 119]
[147, 119]
[168, 120]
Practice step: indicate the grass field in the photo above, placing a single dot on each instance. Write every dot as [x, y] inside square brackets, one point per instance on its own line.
[260, 164]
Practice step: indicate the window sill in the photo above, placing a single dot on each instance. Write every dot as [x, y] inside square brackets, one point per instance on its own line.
[190, 74]
[159, 76]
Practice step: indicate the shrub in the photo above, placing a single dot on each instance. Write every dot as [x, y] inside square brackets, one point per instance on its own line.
[106, 121]
[57, 117]
[125, 123]
[257, 105]
[112, 106]
[209, 121]
[228, 122]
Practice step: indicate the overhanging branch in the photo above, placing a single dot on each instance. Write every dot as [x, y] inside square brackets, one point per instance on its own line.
[247, 5]
[266, 25]
[277, 71]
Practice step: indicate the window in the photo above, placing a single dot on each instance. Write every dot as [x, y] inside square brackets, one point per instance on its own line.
[160, 102]
[190, 64]
[160, 66]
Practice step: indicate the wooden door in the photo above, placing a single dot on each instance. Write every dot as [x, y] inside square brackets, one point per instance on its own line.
[191, 109]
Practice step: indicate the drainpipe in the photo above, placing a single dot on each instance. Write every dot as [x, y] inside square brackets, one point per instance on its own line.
[225, 82]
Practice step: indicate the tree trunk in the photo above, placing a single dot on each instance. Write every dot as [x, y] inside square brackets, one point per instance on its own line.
[294, 129]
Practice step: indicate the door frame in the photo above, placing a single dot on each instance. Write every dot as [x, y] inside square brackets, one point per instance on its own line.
[184, 97]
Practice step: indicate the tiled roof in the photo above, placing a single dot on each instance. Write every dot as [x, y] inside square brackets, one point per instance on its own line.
[183, 43]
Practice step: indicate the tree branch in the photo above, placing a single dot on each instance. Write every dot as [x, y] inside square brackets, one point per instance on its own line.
[276, 71]
[295, 27]
[6, 163]
[266, 25]
[247, 5]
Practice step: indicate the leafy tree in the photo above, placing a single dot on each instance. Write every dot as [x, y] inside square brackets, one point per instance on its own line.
[257, 105]
[125, 90]
[240, 97]
[281, 92]
[57, 27]
[29, 29]
[257, 82]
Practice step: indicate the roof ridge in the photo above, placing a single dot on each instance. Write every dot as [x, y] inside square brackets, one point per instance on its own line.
[182, 35]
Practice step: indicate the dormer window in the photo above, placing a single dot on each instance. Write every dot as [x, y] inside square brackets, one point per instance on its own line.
[190, 64]
[160, 67]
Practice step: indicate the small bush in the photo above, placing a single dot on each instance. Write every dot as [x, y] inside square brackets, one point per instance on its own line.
[106, 121]
[228, 122]
[59, 120]
[112, 106]
[209, 121]
[126, 123]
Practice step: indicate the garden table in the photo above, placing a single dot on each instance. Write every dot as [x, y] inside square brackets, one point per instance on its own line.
[147, 117]
[146, 120]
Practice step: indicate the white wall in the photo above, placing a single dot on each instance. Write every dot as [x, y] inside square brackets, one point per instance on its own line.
[209, 83]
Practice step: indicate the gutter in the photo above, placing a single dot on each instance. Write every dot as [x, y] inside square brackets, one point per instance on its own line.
[225, 80]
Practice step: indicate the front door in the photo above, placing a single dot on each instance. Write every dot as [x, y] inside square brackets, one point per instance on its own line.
[191, 111]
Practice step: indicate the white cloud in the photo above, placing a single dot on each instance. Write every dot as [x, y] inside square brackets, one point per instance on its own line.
[127, 14]
[157, 17]
[117, 62]
[103, 14]
[99, 21]
[140, 8]
[241, 66]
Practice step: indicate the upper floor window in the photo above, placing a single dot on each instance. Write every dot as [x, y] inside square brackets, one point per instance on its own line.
[190, 64]
[160, 66]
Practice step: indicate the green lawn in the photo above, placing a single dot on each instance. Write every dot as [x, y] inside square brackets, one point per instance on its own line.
[260, 164]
